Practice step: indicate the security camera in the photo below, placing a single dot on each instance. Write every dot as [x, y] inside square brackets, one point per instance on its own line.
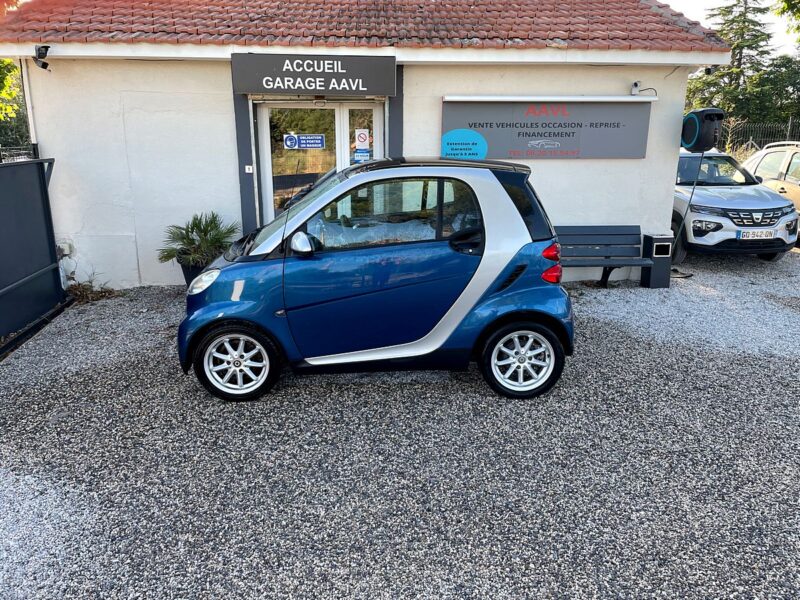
[635, 88]
[39, 58]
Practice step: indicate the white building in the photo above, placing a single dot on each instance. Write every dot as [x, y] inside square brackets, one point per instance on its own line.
[150, 120]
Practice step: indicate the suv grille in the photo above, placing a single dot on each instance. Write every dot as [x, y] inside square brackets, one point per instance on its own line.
[754, 218]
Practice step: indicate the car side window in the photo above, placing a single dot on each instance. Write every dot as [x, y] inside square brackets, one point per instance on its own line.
[793, 172]
[394, 211]
[770, 165]
[459, 208]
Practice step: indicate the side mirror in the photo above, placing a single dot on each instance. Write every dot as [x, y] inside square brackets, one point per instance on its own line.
[301, 245]
[759, 178]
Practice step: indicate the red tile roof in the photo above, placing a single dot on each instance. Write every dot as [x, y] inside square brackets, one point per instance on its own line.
[578, 24]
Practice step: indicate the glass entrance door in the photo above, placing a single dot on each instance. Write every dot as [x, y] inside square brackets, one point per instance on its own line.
[301, 142]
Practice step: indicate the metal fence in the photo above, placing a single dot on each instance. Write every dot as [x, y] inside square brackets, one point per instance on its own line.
[17, 153]
[743, 138]
[30, 282]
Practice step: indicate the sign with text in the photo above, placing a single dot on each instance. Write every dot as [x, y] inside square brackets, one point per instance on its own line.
[534, 130]
[304, 141]
[317, 75]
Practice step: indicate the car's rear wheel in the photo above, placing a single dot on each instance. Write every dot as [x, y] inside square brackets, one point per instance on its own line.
[679, 251]
[522, 360]
[772, 256]
[236, 362]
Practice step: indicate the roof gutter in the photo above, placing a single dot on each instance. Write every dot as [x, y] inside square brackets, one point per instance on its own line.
[409, 56]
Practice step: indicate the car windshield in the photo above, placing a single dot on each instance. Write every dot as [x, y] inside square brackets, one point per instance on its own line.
[715, 170]
[266, 231]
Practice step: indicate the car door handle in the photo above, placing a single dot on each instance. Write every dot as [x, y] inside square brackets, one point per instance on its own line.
[467, 240]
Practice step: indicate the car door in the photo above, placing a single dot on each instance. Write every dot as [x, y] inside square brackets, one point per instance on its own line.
[390, 258]
[770, 169]
[791, 181]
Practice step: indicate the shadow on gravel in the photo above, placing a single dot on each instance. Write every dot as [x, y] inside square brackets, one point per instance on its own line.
[656, 467]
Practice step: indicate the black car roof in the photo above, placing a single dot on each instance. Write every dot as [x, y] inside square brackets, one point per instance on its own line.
[390, 163]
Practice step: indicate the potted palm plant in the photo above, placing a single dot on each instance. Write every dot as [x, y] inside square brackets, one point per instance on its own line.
[195, 245]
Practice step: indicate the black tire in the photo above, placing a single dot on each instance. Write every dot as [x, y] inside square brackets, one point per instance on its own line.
[263, 383]
[772, 256]
[679, 251]
[556, 351]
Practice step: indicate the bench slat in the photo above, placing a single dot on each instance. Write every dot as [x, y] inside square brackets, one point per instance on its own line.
[598, 230]
[607, 262]
[567, 251]
[597, 240]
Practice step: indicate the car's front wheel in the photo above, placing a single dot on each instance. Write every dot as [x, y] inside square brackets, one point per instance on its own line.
[522, 360]
[236, 362]
[679, 251]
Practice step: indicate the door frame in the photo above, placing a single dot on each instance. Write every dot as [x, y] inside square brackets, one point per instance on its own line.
[341, 126]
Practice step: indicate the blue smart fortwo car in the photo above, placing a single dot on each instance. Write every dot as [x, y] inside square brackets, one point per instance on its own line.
[391, 264]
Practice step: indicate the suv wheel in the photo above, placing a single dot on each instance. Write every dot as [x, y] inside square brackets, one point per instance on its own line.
[236, 362]
[522, 360]
[772, 256]
[679, 251]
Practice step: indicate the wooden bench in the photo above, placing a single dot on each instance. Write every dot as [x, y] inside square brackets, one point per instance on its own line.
[606, 246]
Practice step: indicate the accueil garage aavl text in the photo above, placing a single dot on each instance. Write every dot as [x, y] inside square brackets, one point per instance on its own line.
[313, 74]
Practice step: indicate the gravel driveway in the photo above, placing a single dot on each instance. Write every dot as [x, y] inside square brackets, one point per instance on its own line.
[665, 463]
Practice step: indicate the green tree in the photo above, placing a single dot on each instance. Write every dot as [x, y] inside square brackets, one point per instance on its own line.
[774, 93]
[8, 89]
[790, 9]
[741, 24]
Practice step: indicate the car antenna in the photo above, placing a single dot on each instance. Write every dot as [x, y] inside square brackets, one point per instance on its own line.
[294, 179]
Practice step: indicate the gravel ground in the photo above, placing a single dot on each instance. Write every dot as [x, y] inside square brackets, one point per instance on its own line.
[665, 464]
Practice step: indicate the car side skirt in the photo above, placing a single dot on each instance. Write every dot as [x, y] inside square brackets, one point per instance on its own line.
[439, 360]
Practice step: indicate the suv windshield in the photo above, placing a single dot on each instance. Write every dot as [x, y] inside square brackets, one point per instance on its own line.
[266, 231]
[715, 170]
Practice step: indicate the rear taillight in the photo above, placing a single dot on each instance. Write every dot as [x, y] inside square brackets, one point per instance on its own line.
[553, 274]
[552, 252]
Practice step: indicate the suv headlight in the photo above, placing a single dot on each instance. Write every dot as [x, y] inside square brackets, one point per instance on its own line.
[202, 281]
[787, 210]
[708, 210]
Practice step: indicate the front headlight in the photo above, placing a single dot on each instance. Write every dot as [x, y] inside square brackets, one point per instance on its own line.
[787, 210]
[708, 210]
[202, 281]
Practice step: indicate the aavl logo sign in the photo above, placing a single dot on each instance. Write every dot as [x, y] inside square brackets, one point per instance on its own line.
[547, 110]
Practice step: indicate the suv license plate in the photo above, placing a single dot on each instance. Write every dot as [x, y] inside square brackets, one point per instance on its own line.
[756, 234]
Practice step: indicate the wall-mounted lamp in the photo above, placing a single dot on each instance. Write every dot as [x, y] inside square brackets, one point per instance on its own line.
[41, 54]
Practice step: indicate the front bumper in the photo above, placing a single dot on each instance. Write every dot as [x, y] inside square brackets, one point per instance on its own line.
[724, 239]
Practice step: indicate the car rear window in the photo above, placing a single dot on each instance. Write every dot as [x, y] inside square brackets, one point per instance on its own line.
[524, 198]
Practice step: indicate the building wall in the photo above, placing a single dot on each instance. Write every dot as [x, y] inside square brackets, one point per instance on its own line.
[139, 145]
[574, 192]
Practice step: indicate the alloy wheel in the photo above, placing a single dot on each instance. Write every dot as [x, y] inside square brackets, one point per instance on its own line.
[236, 363]
[522, 361]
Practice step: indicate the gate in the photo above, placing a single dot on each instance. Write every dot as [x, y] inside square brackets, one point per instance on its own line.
[30, 281]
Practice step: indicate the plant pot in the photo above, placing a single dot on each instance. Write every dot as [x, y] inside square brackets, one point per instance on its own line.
[190, 272]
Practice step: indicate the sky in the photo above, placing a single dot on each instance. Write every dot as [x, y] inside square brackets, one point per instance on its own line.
[782, 41]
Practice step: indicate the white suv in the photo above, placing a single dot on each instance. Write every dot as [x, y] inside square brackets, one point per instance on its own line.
[731, 212]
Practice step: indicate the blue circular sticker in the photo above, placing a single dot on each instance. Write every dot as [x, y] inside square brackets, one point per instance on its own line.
[290, 141]
[464, 143]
